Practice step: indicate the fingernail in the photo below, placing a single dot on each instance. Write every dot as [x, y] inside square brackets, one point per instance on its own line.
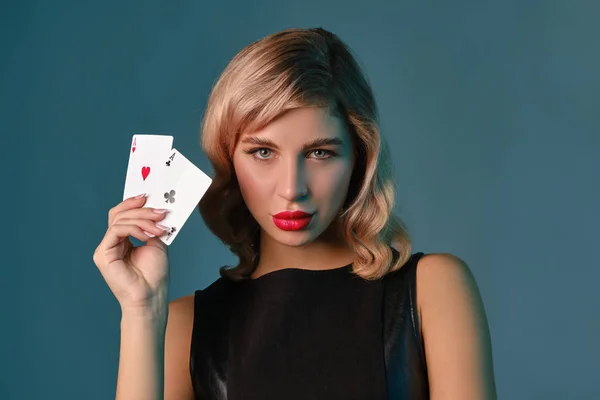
[164, 228]
[139, 196]
[149, 234]
[160, 210]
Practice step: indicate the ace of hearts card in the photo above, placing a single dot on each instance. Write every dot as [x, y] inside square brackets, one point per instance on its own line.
[146, 169]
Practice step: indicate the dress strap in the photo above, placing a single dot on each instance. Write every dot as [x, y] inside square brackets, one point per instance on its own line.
[406, 368]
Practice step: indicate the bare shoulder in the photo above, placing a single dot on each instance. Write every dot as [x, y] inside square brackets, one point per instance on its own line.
[455, 329]
[178, 382]
[183, 304]
[181, 317]
[442, 270]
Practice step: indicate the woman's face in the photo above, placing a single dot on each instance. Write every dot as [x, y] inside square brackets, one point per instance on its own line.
[302, 161]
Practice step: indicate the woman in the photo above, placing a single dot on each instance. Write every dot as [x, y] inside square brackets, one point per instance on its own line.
[327, 301]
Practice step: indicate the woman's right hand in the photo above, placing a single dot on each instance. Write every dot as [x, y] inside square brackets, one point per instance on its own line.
[137, 276]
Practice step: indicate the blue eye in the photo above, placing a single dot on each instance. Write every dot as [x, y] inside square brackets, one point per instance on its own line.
[323, 154]
[261, 153]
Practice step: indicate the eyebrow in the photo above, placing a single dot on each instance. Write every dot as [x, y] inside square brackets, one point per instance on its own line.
[313, 143]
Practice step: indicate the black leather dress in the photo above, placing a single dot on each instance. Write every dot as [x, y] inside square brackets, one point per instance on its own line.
[301, 334]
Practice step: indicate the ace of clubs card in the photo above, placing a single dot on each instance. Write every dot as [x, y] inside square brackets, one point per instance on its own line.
[183, 187]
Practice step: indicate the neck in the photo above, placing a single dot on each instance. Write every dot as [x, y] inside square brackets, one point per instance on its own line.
[327, 252]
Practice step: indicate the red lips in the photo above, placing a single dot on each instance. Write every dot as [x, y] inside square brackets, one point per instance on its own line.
[292, 215]
[292, 220]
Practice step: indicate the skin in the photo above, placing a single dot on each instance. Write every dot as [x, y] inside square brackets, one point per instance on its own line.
[453, 320]
[278, 169]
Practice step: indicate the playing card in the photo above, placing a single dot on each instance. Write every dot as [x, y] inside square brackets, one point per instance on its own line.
[146, 168]
[184, 186]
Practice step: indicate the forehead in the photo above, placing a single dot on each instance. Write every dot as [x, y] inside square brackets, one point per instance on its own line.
[300, 125]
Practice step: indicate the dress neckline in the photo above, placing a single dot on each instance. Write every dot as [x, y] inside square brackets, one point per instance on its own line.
[303, 271]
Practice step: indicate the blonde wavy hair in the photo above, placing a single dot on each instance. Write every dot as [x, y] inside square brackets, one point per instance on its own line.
[286, 70]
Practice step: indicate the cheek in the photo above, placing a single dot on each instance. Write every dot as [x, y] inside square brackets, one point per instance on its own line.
[250, 182]
[333, 183]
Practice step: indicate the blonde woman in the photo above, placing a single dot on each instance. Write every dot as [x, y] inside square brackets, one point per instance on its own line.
[328, 301]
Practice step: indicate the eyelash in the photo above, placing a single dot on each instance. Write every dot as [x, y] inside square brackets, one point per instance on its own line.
[329, 154]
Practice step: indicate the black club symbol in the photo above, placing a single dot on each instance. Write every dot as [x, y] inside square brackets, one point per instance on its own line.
[170, 232]
[170, 196]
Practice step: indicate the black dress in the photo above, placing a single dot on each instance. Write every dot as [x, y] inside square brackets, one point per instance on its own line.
[303, 334]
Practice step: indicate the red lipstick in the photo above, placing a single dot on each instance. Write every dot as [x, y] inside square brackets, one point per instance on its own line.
[292, 220]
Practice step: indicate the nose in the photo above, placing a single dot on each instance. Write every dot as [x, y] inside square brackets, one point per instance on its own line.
[292, 183]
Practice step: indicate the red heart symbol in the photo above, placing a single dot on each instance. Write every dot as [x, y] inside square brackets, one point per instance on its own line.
[145, 172]
[133, 149]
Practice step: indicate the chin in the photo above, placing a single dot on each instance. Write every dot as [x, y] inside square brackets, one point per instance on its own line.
[293, 239]
[297, 241]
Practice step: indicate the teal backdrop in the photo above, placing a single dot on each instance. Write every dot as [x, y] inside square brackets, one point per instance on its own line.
[493, 115]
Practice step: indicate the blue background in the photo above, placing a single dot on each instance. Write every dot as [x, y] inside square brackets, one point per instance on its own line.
[492, 111]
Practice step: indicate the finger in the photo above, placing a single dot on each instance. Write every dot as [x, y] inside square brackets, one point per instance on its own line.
[148, 226]
[153, 214]
[127, 204]
[139, 229]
